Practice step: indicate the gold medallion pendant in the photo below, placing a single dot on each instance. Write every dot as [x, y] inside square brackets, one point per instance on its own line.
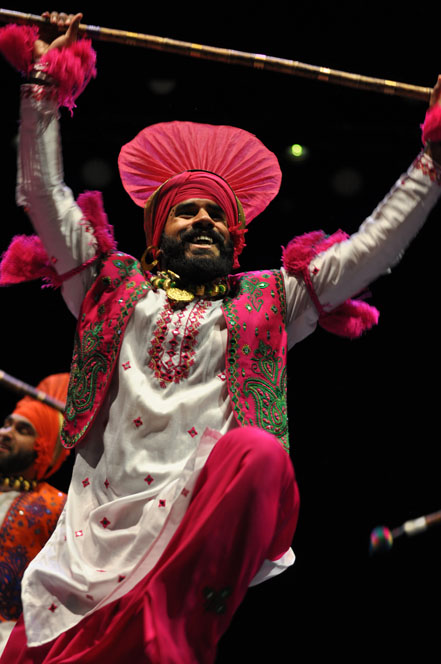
[169, 281]
[179, 295]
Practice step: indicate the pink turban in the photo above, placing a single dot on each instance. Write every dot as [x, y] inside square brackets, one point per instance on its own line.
[190, 184]
[230, 164]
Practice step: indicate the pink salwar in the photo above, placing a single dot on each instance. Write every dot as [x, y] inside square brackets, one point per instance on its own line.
[243, 511]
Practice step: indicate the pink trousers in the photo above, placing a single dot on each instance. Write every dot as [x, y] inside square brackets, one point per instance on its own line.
[243, 510]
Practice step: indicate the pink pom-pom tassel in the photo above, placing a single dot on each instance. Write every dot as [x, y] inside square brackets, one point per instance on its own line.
[350, 319]
[431, 129]
[17, 45]
[91, 204]
[24, 260]
[297, 256]
[72, 68]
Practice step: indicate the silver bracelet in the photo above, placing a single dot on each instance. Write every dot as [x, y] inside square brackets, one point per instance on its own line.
[40, 77]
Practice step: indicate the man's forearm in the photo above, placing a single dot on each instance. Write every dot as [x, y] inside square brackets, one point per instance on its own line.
[348, 267]
[41, 190]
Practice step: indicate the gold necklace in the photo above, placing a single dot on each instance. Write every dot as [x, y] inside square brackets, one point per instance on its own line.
[169, 281]
[17, 483]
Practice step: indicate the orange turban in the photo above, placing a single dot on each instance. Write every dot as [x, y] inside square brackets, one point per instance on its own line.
[47, 422]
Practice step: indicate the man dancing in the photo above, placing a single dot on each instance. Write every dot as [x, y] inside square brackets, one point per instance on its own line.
[182, 492]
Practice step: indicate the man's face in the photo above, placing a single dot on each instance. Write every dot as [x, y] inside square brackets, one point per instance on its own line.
[196, 242]
[17, 440]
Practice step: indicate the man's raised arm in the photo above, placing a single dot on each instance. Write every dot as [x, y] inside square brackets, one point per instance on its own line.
[56, 73]
[338, 267]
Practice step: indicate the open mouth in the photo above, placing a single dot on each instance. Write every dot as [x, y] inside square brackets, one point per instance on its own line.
[202, 240]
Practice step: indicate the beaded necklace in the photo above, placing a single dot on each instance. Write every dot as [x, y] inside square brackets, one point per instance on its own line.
[17, 483]
[170, 282]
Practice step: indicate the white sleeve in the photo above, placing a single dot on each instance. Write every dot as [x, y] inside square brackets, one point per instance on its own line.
[56, 217]
[348, 267]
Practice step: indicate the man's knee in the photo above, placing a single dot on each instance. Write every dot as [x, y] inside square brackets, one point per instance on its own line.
[262, 451]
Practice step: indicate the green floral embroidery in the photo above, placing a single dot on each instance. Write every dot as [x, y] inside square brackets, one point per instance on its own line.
[126, 266]
[263, 394]
[233, 380]
[88, 363]
[253, 286]
[268, 389]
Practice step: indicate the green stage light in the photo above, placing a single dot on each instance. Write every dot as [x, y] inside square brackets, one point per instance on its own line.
[297, 150]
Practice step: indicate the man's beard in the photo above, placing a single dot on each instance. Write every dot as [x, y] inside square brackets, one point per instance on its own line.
[198, 268]
[17, 462]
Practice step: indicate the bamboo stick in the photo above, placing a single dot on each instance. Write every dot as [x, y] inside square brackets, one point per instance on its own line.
[23, 388]
[229, 56]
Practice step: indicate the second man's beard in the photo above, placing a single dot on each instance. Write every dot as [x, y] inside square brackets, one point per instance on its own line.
[17, 462]
[197, 268]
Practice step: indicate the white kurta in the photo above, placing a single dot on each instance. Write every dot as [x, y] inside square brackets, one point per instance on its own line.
[134, 471]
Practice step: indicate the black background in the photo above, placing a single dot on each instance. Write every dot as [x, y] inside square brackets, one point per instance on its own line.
[363, 414]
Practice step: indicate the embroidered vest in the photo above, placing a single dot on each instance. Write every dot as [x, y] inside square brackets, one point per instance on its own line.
[28, 524]
[256, 351]
[255, 357]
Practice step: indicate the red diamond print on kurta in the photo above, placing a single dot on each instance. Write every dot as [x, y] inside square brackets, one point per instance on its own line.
[192, 432]
[162, 503]
[137, 422]
[107, 483]
[171, 360]
[52, 607]
[126, 365]
[149, 479]
[86, 482]
[78, 533]
[105, 522]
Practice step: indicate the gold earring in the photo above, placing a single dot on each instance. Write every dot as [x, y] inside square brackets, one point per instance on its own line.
[147, 267]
